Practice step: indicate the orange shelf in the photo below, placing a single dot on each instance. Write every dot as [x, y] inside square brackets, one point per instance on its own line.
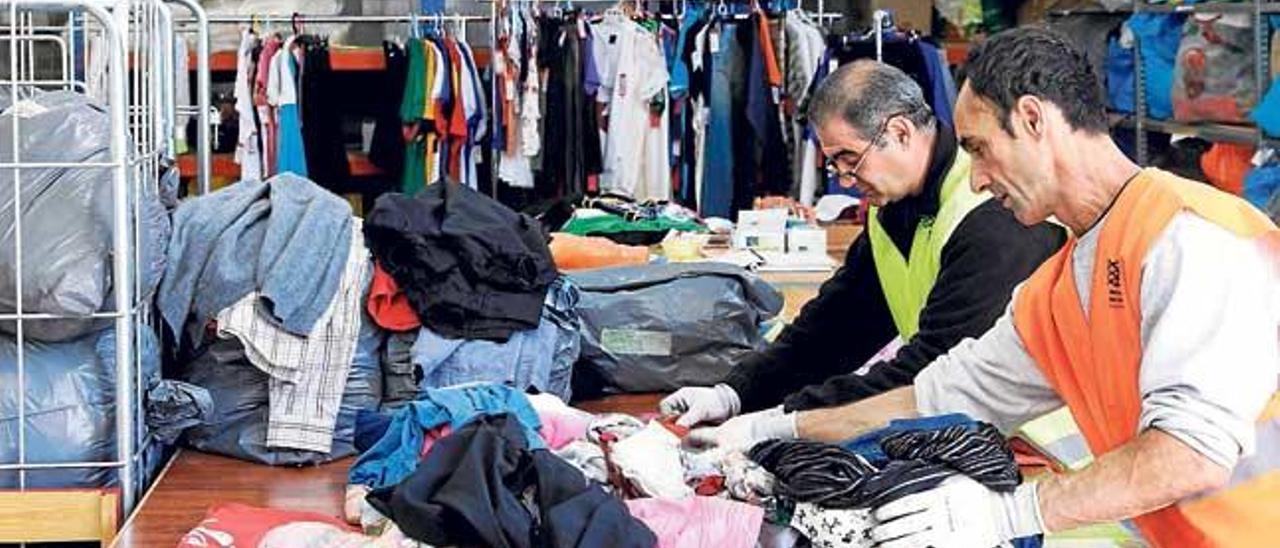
[224, 165]
[344, 58]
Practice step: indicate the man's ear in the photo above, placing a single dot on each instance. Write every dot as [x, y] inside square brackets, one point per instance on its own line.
[1029, 115]
[899, 130]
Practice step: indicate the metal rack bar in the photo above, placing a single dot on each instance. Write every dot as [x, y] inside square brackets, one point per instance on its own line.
[330, 19]
[204, 90]
[60, 465]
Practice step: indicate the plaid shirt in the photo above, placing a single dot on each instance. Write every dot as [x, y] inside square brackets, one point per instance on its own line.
[308, 374]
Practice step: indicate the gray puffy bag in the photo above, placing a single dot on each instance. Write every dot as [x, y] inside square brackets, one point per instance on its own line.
[656, 328]
[67, 217]
[70, 408]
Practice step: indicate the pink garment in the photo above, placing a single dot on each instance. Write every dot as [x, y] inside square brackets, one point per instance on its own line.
[560, 427]
[434, 435]
[266, 113]
[695, 522]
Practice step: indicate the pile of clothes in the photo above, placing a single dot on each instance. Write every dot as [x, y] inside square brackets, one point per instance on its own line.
[470, 293]
[290, 325]
[827, 492]
[488, 465]
[264, 294]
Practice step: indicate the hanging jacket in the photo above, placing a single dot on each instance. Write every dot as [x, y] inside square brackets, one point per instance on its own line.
[1093, 362]
[813, 362]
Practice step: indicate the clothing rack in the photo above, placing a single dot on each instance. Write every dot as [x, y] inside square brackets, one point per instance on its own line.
[821, 14]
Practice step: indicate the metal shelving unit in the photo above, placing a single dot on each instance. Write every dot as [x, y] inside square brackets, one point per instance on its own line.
[1237, 133]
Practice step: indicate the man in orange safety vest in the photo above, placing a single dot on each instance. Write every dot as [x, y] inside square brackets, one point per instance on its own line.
[1156, 325]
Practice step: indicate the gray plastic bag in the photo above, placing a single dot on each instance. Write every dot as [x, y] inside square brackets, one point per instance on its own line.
[70, 408]
[657, 328]
[67, 217]
[238, 427]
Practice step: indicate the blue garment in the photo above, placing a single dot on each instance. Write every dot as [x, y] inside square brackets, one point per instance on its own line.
[291, 153]
[1267, 114]
[1158, 35]
[1261, 184]
[541, 358]
[679, 85]
[370, 426]
[395, 455]
[287, 238]
[940, 82]
[1120, 76]
[718, 160]
[291, 156]
[868, 445]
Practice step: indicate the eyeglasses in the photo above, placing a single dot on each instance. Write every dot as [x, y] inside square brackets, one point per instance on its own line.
[833, 164]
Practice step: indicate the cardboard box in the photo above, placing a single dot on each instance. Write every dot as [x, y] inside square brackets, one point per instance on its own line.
[761, 230]
[807, 239]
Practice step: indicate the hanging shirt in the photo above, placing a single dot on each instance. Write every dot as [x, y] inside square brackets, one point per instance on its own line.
[633, 75]
[248, 155]
[473, 108]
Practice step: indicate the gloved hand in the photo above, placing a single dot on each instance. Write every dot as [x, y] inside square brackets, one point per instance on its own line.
[958, 513]
[697, 404]
[742, 432]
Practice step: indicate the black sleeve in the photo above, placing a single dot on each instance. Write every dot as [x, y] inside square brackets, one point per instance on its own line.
[844, 325]
[988, 255]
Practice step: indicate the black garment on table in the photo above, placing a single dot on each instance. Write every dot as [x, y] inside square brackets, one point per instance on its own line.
[981, 454]
[570, 139]
[387, 148]
[832, 477]
[482, 486]
[471, 267]
[320, 102]
[989, 253]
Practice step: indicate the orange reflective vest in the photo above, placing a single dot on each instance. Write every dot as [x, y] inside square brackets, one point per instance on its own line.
[1093, 362]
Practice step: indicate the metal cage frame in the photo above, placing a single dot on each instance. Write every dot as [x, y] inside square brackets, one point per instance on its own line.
[121, 53]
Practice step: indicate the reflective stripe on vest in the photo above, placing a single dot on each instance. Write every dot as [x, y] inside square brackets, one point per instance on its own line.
[1093, 362]
[907, 282]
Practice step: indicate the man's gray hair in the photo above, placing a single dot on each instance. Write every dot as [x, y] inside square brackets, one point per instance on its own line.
[865, 94]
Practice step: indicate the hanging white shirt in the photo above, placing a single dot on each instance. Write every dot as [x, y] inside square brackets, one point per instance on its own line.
[248, 156]
[282, 86]
[633, 72]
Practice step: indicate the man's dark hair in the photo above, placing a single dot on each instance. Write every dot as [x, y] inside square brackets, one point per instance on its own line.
[1035, 60]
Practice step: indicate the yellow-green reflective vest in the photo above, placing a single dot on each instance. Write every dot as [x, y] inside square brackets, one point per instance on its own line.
[907, 282]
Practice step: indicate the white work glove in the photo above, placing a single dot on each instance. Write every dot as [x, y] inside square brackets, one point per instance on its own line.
[697, 404]
[959, 513]
[742, 432]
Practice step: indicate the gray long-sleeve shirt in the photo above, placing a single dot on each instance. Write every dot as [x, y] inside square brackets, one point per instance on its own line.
[1210, 304]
